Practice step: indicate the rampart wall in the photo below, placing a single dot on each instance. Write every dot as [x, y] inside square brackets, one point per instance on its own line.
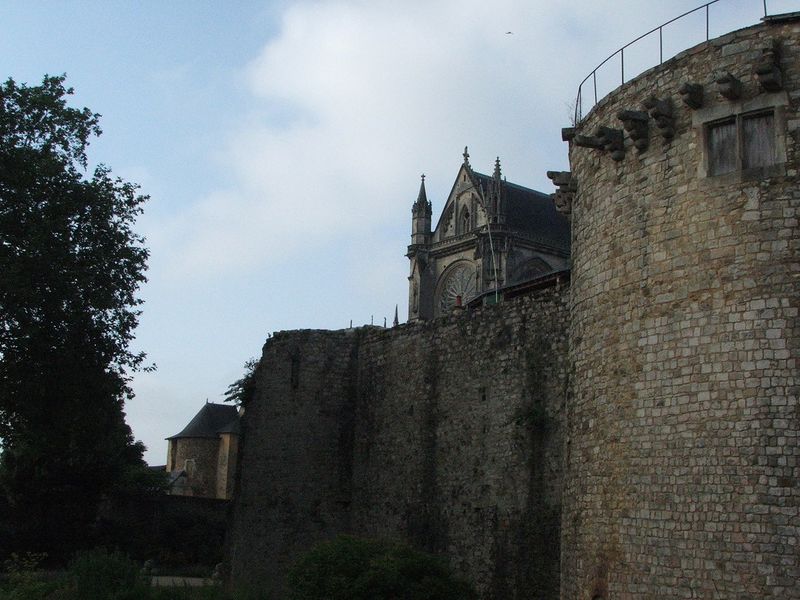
[683, 474]
[446, 434]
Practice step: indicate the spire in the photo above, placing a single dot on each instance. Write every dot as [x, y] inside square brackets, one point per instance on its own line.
[422, 207]
[396, 321]
[496, 204]
[422, 198]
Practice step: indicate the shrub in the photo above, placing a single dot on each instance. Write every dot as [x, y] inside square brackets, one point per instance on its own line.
[102, 575]
[349, 568]
[24, 579]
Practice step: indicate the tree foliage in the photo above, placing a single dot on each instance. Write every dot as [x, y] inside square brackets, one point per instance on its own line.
[240, 391]
[71, 265]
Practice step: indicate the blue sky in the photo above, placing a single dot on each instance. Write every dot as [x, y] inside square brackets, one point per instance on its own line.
[281, 144]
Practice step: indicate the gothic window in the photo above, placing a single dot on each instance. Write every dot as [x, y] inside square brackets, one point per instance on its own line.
[458, 282]
[466, 224]
[448, 221]
[741, 142]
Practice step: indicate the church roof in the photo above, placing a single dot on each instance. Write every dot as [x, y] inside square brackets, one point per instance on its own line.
[532, 213]
[212, 420]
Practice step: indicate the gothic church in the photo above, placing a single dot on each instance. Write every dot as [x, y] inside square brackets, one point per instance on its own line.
[492, 237]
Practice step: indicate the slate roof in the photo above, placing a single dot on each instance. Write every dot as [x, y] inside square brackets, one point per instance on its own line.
[532, 213]
[212, 420]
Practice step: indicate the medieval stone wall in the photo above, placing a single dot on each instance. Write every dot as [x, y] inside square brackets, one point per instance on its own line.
[683, 469]
[227, 457]
[446, 434]
[293, 484]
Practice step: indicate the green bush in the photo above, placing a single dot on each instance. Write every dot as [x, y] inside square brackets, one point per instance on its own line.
[348, 568]
[23, 578]
[102, 575]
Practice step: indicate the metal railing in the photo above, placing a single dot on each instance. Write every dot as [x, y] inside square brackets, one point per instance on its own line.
[621, 54]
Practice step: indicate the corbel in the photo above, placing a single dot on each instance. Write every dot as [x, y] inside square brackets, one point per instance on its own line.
[612, 141]
[692, 94]
[635, 123]
[661, 112]
[728, 86]
[587, 141]
[565, 194]
[768, 70]
[567, 134]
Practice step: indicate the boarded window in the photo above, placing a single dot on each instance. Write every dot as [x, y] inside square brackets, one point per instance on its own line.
[758, 141]
[722, 147]
[742, 142]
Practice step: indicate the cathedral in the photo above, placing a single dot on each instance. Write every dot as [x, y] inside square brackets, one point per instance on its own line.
[492, 238]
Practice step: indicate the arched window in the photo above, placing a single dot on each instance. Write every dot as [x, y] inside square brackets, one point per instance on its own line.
[466, 222]
[458, 281]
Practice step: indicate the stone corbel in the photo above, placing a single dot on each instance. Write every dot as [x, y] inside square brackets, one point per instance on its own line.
[768, 70]
[564, 195]
[567, 134]
[692, 94]
[728, 86]
[661, 112]
[587, 141]
[635, 123]
[612, 141]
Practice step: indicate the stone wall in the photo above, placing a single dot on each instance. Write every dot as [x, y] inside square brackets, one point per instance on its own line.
[293, 484]
[446, 434]
[198, 456]
[226, 464]
[682, 475]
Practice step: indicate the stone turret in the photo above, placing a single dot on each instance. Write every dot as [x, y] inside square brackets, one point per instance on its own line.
[683, 461]
[421, 217]
[496, 200]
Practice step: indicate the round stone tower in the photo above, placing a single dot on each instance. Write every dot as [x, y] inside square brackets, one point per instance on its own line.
[682, 454]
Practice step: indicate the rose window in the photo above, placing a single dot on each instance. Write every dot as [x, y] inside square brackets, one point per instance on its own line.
[460, 282]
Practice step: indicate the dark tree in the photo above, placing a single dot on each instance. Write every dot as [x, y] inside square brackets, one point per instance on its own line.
[71, 266]
[242, 389]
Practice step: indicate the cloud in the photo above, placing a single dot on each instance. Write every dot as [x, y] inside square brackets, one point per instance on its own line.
[345, 105]
[351, 100]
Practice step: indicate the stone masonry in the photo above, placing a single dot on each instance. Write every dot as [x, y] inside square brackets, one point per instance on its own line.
[446, 434]
[631, 436]
[683, 476]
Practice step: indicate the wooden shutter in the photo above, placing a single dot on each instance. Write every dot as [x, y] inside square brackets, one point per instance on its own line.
[758, 141]
[722, 147]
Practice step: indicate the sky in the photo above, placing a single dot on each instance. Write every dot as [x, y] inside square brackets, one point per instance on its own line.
[281, 144]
